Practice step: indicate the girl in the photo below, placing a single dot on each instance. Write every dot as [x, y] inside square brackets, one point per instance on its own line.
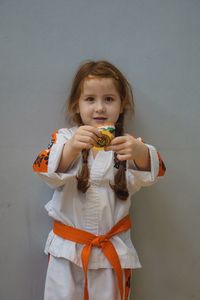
[91, 255]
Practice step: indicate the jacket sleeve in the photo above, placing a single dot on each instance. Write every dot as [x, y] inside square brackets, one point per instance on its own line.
[137, 178]
[47, 161]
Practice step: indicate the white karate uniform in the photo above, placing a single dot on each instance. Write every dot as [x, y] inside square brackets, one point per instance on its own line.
[96, 211]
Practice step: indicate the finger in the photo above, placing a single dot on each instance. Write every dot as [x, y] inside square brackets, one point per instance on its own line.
[116, 148]
[123, 152]
[130, 136]
[87, 139]
[122, 157]
[88, 134]
[91, 129]
[119, 140]
[86, 146]
[125, 137]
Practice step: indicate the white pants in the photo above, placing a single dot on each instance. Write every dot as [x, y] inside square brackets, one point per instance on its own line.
[65, 281]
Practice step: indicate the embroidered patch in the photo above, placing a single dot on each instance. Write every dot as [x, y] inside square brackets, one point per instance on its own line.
[162, 167]
[41, 162]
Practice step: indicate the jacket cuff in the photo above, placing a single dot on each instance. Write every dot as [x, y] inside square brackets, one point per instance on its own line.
[146, 177]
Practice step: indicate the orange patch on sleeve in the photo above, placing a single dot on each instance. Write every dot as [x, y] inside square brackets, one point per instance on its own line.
[162, 168]
[41, 162]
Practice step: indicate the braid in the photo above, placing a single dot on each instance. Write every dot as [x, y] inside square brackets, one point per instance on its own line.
[83, 175]
[120, 185]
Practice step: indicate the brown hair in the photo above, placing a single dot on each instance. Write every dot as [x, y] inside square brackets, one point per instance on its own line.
[102, 69]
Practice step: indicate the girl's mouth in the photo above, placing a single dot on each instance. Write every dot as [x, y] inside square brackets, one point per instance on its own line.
[100, 120]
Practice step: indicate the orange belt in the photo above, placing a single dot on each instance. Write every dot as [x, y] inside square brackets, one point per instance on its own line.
[90, 240]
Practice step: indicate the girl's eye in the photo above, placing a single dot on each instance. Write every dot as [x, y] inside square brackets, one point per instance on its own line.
[89, 99]
[109, 99]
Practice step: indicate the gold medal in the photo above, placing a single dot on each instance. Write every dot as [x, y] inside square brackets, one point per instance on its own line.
[107, 131]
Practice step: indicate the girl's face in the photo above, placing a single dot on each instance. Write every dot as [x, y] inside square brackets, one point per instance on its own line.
[99, 101]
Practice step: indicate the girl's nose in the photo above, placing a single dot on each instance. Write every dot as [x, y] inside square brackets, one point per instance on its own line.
[100, 107]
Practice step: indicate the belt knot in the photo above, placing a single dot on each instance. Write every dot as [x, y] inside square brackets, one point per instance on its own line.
[99, 240]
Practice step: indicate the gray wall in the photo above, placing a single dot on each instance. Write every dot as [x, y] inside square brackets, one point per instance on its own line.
[156, 44]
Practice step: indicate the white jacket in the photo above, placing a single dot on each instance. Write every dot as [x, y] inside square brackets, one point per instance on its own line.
[98, 209]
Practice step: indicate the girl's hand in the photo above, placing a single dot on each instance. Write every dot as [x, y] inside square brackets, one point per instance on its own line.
[128, 147]
[85, 137]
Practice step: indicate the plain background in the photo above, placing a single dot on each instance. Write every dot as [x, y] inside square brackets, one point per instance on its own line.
[156, 44]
